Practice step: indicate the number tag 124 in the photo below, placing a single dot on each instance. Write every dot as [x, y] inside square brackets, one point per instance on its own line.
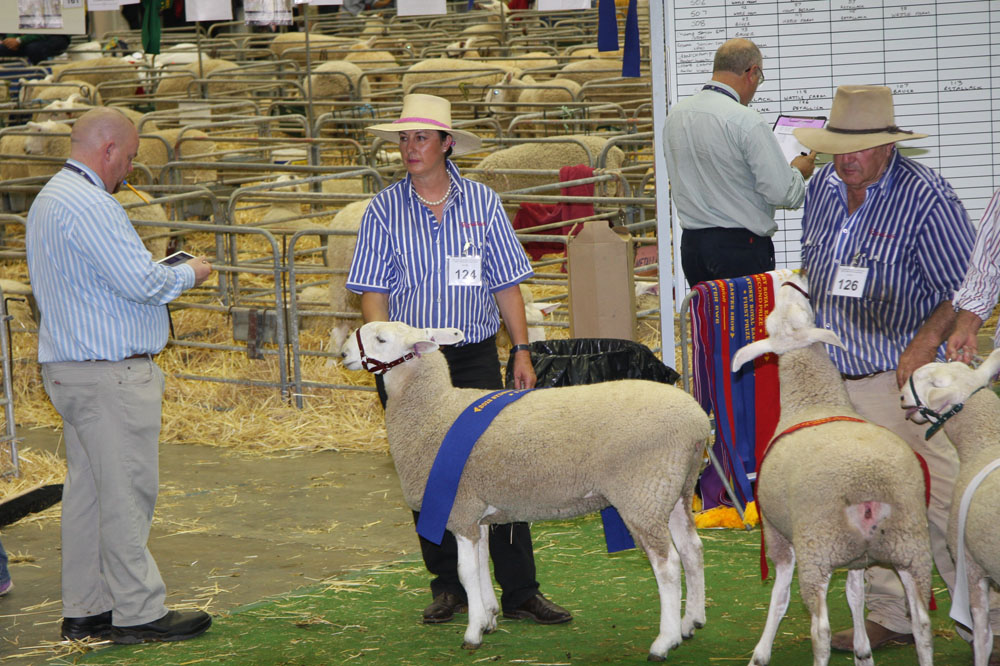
[465, 271]
[850, 281]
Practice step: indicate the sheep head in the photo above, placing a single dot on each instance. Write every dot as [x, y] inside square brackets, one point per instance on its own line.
[34, 144]
[791, 325]
[940, 386]
[383, 343]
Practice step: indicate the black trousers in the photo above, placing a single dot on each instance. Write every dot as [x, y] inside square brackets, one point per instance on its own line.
[38, 50]
[477, 365]
[720, 254]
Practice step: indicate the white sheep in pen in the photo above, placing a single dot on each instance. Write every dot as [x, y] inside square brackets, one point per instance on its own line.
[555, 453]
[840, 492]
[950, 392]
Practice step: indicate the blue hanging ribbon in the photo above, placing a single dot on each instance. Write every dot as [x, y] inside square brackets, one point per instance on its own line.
[472, 5]
[616, 535]
[630, 59]
[607, 26]
[446, 472]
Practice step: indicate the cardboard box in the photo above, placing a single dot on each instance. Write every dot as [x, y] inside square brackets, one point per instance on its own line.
[601, 283]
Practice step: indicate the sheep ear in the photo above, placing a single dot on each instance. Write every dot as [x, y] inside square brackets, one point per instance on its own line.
[424, 347]
[824, 335]
[750, 352]
[990, 367]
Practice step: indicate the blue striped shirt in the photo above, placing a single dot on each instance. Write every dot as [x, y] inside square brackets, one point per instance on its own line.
[402, 251]
[912, 233]
[100, 294]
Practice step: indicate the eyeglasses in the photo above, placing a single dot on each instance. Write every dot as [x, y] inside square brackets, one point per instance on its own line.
[760, 71]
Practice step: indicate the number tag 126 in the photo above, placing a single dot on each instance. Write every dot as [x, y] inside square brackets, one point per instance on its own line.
[465, 271]
[850, 281]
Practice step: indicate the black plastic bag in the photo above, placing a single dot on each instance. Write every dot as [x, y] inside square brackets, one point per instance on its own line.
[578, 361]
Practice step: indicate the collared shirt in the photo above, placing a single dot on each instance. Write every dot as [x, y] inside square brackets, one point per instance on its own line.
[403, 251]
[912, 233]
[981, 286]
[100, 294]
[726, 169]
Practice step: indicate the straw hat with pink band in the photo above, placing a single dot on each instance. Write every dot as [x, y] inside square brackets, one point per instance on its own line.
[427, 112]
[861, 118]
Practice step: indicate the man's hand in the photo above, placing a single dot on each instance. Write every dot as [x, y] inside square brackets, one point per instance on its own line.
[923, 348]
[202, 269]
[12, 43]
[524, 373]
[963, 342]
[806, 164]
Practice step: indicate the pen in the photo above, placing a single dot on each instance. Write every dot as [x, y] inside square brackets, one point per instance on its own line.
[139, 194]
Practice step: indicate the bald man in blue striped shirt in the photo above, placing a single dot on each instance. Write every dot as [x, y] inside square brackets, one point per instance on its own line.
[885, 244]
[103, 317]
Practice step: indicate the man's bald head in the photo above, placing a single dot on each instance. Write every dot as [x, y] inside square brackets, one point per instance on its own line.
[100, 126]
[737, 56]
[106, 141]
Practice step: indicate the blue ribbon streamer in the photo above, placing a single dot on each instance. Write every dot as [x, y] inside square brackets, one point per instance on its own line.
[630, 59]
[607, 26]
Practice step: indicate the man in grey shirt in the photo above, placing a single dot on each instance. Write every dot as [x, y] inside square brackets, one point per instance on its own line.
[727, 172]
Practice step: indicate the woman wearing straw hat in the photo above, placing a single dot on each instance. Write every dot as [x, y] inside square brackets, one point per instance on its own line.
[437, 250]
[885, 244]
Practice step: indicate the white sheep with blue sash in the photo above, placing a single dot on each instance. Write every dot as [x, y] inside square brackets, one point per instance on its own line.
[552, 453]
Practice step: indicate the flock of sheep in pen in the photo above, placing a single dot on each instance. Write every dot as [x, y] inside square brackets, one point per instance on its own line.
[262, 131]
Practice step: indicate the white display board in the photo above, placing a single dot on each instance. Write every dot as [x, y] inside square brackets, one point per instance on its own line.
[941, 60]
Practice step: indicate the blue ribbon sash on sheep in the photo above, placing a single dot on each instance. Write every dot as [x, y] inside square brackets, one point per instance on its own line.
[446, 472]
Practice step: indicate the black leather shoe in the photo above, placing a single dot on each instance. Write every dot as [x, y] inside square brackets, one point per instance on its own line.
[92, 626]
[174, 626]
[444, 607]
[541, 610]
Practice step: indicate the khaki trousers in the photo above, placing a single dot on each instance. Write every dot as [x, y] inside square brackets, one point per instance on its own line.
[111, 419]
[876, 398]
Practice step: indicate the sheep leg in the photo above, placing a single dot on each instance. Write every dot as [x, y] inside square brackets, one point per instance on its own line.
[919, 619]
[667, 571]
[469, 571]
[688, 544]
[813, 585]
[489, 595]
[982, 633]
[781, 551]
[856, 600]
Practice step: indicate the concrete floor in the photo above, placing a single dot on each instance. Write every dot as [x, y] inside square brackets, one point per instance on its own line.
[229, 531]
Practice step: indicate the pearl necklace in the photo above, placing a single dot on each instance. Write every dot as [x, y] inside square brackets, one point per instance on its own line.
[440, 201]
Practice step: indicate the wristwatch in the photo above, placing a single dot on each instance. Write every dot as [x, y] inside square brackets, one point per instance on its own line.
[517, 348]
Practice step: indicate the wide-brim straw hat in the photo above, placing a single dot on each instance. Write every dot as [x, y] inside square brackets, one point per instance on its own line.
[861, 118]
[427, 112]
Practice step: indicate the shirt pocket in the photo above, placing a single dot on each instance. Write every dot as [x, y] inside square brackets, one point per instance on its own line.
[409, 269]
[887, 271]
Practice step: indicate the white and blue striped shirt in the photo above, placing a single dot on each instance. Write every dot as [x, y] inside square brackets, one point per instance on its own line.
[981, 287]
[912, 233]
[402, 251]
[100, 294]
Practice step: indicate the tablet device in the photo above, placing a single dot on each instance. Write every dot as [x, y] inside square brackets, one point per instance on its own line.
[783, 126]
[176, 258]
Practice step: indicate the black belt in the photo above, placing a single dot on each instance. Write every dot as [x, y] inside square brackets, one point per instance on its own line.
[127, 358]
[844, 375]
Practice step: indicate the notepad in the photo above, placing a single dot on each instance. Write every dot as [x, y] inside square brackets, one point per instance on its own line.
[783, 127]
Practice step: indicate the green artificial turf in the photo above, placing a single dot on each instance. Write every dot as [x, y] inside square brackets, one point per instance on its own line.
[373, 617]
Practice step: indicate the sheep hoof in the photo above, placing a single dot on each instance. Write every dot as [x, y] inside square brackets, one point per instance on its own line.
[466, 645]
[656, 657]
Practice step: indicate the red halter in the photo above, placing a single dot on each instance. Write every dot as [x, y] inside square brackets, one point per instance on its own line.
[375, 366]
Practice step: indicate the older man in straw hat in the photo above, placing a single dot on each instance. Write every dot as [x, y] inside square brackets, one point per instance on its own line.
[885, 243]
[437, 250]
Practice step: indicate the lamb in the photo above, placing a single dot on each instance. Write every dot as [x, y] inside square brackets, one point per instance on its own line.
[176, 83]
[337, 80]
[950, 393]
[154, 152]
[573, 149]
[47, 139]
[380, 67]
[339, 252]
[139, 211]
[98, 71]
[43, 92]
[645, 464]
[839, 493]
[63, 109]
[292, 46]
[455, 80]
[528, 94]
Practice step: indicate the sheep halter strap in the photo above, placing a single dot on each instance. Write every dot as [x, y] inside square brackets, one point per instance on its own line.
[375, 366]
[937, 420]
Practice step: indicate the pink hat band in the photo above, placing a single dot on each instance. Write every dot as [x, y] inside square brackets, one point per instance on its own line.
[429, 121]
